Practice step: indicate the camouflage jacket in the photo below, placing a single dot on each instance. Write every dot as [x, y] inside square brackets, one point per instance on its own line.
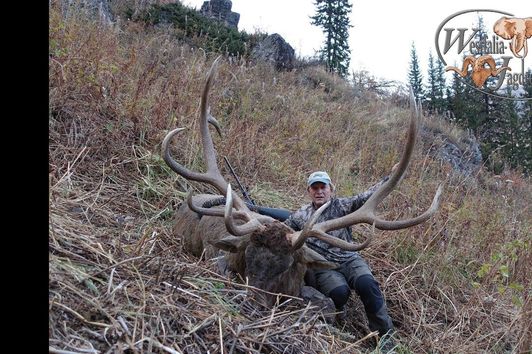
[339, 207]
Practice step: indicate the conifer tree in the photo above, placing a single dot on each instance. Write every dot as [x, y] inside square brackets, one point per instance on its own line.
[415, 79]
[441, 85]
[509, 134]
[436, 88]
[448, 102]
[526, 127]
[457, 101]
[333, 17]
[516, 137]
[475, 111]
[432, 87]
[472, 107]
[527, 105]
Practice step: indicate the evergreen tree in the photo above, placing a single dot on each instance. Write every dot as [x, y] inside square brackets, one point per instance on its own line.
[519, 153]
[484, 100]
[475, 114]
[436, 85]
[527, 104]
[448, 102]
[415, 79]
[457, 101]
[509, 135]
[432, 88]
[467, 105]
[441, 85]
[480, 34]
[471, 107]
[333, 17]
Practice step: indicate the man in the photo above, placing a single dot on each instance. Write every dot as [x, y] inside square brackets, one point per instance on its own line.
[352, 271]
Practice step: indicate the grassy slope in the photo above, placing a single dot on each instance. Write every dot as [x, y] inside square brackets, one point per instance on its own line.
[459, 283]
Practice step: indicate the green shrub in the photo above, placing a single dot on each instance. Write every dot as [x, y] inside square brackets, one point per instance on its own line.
[198, 30]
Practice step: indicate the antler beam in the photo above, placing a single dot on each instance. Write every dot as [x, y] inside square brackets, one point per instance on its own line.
[366, 214]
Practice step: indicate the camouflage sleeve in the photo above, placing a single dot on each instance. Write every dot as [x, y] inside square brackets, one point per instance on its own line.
[351, 204]
[291, 222]
[296, 220]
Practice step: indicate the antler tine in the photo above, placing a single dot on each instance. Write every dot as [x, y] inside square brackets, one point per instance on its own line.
[208, 147]
[174, 165]
[305, 233]
[403, 224]
[213, 175]
[212, 211]
[215, 124]
[309, 232]
[340, 243]
[397, 175]
[180, 169]
[366, 214]
[238, 230]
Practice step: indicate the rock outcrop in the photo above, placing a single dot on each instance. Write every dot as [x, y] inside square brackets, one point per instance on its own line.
[275, 50]
[220, 10]
[464, 155]
[98, 9]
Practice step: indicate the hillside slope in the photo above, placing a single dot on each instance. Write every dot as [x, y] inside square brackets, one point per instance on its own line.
[119, 280]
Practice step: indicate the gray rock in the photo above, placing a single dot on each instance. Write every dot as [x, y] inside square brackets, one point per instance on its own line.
[220, 10]
[464, 155]
[275, 50]
[322, 303]
[98, 9]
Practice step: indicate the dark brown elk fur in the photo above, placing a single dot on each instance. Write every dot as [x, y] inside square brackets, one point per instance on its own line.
[266, 258]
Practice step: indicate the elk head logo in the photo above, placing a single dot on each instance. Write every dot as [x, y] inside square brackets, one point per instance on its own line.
[480, 73]
[516, 29]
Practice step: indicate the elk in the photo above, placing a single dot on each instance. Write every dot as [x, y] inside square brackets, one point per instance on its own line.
[271, 255]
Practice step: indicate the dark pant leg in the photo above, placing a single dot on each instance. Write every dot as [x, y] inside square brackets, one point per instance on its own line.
[340, 296]
[331, 283]
[370, 293]
[361, 279]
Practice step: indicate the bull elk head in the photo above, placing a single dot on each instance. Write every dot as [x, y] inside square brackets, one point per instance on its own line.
[480, 73]
[269, 253]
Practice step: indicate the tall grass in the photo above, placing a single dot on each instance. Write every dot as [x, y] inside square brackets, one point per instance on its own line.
[458, 283]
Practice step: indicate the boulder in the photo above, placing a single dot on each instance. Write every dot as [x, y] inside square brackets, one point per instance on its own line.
[321, 303]
[220, 10]
[464, 155]
[275, 50]
[98, 9]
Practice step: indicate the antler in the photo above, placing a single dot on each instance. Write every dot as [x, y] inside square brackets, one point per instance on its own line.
[221, 212]
[213, 175]
[234, 229]
[366, 213]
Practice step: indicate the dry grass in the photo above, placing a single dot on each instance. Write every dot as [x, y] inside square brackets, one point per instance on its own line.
[119, 280]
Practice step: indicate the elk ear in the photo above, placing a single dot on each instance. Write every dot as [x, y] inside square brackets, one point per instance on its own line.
[315, 260]
[230, 243]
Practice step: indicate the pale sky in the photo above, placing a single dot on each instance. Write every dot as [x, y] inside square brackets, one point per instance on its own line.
[383, 31]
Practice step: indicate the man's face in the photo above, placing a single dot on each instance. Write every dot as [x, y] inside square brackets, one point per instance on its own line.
[320, 193]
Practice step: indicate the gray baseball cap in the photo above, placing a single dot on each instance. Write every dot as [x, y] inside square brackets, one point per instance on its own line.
[318, 176]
